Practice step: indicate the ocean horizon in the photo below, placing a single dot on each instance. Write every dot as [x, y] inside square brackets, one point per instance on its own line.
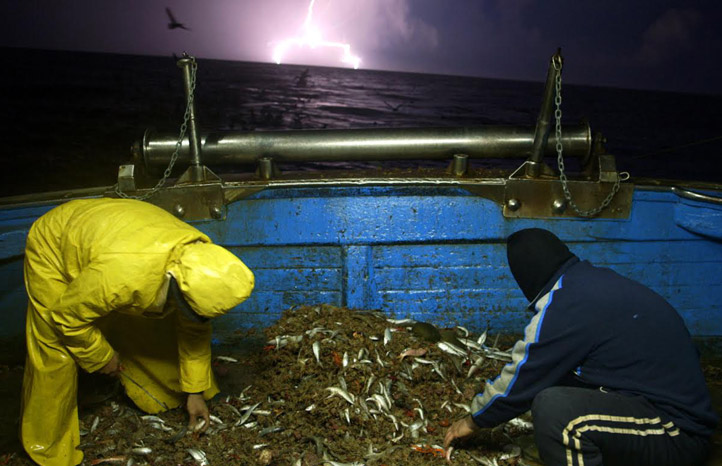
[71, 117]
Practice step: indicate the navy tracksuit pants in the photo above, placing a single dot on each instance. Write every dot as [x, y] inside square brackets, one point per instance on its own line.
[587, 427]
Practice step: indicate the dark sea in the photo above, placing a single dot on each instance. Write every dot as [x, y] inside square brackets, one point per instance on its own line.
[69, 119]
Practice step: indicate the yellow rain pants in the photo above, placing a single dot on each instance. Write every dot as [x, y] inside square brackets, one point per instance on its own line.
[96, 273]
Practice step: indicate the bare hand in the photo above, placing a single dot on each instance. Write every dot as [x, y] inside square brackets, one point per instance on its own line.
[112, 367]
[458, 430]
[197, 411]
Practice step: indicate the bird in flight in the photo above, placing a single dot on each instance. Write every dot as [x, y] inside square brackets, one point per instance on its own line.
[174, 24]
[394, 107]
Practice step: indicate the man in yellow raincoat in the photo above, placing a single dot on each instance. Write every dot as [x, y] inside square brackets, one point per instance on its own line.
[104, 277]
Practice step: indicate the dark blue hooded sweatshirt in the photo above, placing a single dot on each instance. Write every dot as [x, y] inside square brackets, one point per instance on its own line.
[596, 328]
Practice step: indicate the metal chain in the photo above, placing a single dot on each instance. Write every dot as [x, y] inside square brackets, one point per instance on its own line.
[181, 136]
[557, 62]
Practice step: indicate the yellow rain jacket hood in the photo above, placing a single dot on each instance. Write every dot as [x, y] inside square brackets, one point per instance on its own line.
[212, 279]
[95, 271]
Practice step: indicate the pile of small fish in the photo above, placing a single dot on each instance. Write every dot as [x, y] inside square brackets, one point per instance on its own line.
[337, 387]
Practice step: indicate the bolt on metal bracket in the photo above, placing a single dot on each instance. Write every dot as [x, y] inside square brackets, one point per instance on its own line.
[193, 202]
[544, 197]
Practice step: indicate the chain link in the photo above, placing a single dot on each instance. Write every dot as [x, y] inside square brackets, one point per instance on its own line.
[557, 63]
[178, 144]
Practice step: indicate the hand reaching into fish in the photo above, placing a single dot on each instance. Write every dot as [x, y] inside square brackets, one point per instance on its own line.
[112, 367]
[412, 353]
[459, 430]
[199, 416]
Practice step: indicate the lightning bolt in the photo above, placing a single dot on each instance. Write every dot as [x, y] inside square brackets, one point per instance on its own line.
[312, 38]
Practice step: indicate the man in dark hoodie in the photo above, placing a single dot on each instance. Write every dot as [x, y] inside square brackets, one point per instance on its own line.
[606, 366]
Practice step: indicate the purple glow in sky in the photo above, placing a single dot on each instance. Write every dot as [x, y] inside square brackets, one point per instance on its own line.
[312, 40]
[648, 44]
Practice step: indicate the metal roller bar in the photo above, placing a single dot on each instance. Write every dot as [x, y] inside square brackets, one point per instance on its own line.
[234, 148]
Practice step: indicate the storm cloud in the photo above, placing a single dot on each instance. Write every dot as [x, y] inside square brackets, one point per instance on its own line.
[644, 44]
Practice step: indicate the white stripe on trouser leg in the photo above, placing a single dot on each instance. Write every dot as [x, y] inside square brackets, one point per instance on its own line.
[634, 426]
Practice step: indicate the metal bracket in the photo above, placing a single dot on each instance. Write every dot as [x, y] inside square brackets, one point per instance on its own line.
[196, 173]
[539, 198]
[192, 202]
[126, 178]
[544, 197]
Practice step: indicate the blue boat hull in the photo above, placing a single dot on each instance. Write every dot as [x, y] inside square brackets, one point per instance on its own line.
[435, 254]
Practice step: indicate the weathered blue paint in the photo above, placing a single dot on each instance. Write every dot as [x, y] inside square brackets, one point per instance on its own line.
[358, 278]
[14, 226]
[699, 218]
[438, 254]
[434, 254]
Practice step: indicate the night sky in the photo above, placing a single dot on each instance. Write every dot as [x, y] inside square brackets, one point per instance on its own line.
[644, 44]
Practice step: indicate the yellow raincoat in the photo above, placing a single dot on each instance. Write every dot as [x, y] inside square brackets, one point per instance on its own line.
[96, 270]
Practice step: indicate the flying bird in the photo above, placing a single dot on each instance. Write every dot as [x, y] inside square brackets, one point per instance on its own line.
[174, 24]
[394, 108]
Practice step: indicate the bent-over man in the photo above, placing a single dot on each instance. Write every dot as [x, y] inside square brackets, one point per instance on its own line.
[113, 280]
[606, 365]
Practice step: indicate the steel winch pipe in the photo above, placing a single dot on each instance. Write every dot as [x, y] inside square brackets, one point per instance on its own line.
[234, 148]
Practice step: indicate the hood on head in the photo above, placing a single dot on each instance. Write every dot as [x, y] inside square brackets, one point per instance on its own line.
[534, 256]
[212, 279]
